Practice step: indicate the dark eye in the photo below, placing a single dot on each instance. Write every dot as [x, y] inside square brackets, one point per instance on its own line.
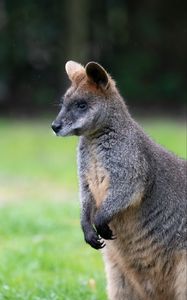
[81, 105]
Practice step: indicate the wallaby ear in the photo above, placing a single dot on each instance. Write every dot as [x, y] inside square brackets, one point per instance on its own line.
[97, 74]
[73, 69]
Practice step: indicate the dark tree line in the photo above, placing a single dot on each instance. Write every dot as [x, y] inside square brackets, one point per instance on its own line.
[142, 43]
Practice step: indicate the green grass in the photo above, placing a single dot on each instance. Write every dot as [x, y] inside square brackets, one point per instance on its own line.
[43, 255]
[169, 134]
[42, 252]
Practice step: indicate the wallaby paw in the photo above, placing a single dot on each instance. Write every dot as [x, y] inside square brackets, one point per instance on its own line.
[104, 230]
[94, 240]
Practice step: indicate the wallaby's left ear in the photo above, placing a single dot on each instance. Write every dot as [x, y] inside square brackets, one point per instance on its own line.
[97, 74]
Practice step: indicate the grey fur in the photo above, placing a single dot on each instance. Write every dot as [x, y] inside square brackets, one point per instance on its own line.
[137, 167]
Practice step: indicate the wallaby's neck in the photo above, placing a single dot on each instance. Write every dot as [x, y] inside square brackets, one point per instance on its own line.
[117, 121]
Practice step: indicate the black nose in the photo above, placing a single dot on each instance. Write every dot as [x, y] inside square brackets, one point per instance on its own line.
[56, 127]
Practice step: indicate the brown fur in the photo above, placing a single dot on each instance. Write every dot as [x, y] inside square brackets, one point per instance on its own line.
[181, 277]
[97, 179]
[98, 184]
[144, 266]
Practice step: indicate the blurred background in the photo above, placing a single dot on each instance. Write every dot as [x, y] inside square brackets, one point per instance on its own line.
[143, 45]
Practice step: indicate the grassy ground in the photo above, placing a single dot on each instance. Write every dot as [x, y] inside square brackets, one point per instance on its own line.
[42, 252]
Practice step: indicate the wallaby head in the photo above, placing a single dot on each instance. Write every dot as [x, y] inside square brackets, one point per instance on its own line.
[88, 101]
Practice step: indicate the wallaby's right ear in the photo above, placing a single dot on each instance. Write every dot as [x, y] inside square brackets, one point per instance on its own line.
[97, 74]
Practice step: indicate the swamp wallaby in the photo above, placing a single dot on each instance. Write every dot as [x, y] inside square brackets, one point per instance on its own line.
[133, 191]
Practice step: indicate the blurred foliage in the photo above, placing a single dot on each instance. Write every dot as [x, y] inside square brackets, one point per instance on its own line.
[142, 44]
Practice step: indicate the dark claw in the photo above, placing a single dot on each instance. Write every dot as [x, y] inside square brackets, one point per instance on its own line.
[103, 245]
[114, 237]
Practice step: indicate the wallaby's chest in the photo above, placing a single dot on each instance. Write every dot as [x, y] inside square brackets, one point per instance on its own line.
[97, 176]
